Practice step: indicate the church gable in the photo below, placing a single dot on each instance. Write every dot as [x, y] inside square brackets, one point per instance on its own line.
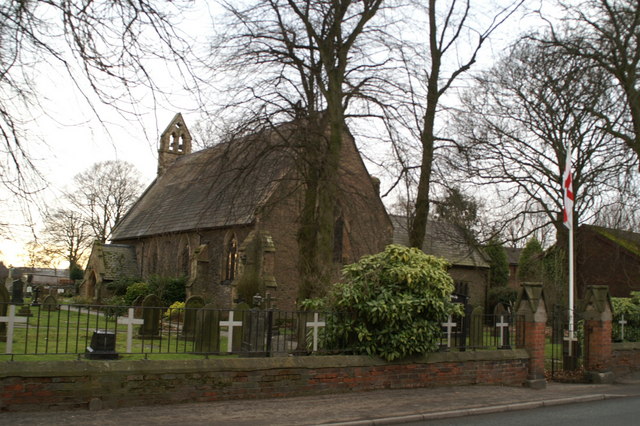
[217, 187]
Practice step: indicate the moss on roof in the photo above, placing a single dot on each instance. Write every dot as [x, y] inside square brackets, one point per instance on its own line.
[626, 239]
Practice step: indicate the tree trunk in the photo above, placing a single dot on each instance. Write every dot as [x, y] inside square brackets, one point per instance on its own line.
[418, 225]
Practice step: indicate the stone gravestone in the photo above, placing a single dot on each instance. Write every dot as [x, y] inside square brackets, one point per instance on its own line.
[476, 327]
[17, 292]
[50, 304]
[191, 307]
[151, 312]
[303, 343]
[241, 314]
[501, 317]
[137, 306]
[254, 332]
[5, 300]
[207, 331]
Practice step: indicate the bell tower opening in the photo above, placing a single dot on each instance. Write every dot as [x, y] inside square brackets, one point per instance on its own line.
[175, 141]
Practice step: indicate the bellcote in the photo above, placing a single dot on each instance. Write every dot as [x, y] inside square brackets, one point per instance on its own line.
[175, 141]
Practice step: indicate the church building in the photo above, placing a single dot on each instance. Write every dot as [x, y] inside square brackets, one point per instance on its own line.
[233, 209]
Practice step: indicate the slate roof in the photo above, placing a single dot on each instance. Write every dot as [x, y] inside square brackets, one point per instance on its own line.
[220, 186]
[443, 240]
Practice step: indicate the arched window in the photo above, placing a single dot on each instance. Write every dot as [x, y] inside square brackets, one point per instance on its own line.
[230, 258]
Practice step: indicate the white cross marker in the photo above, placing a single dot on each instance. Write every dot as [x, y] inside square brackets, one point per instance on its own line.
[11, 320]
[450, 325]
[130, 321]
[622, 322]
[316, 324]
[502, 325]
[230, 324]
[571, 338]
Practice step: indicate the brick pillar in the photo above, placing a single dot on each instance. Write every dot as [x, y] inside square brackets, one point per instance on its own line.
[597, 317]
[532, 307]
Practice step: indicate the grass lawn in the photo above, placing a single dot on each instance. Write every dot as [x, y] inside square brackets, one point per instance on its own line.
[66, 333]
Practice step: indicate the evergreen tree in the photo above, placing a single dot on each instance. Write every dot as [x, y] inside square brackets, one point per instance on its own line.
[498, 264]
[530, 263]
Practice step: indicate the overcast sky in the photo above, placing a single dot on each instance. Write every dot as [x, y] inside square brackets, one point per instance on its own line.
[69, 138]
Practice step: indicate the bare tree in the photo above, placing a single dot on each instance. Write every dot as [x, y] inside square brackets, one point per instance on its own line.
[607, 33]
[102, 45]
[515, 127]
[67, 234]
[303, 60]
[621, 210]
[39, 255]
[104, 193]
[453, 42]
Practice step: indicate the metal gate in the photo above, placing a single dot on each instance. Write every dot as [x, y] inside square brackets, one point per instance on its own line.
[563, 355]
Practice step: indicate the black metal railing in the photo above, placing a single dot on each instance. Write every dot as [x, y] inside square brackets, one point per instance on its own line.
[482, 332]
[103, 332]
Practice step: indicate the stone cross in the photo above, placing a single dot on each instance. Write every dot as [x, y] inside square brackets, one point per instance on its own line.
[11, 320]
[231, 324]
[450, 325]
[622, 322]
[269, 301]
[501, 325]
[130, 321]
[315, 324]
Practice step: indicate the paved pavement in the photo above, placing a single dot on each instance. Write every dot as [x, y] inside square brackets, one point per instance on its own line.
[365, 408]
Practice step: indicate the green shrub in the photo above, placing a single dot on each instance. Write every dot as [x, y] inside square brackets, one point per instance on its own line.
[168, 289]
[134, 291]
[175, 313]
[75, 272]
[120, 286]
[394, 303]
[630, 308]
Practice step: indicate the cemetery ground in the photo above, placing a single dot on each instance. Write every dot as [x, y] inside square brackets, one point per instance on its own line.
[65, 333]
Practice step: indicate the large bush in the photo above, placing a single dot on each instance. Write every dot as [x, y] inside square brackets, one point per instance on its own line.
[394, 301]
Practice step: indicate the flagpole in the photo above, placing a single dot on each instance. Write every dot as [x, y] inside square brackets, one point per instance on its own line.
[571, 302]
[569, 188]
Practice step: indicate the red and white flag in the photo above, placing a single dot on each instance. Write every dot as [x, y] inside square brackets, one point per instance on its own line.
[567, 191]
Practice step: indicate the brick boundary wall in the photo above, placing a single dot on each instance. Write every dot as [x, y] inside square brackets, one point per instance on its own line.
[625, 357]
[110, 384]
